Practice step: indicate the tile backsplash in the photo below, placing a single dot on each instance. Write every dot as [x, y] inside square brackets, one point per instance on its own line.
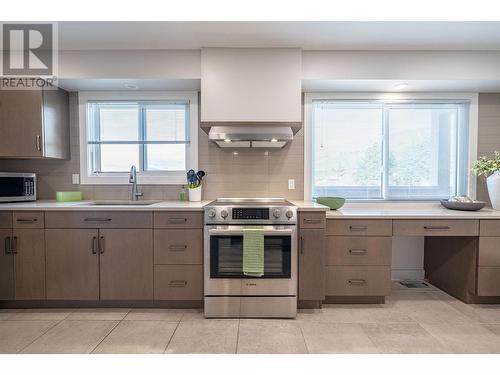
[248, 173]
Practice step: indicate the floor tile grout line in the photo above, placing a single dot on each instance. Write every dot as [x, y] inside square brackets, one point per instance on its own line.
[304, 338]
[237, 337]
[172, 336]
[42, 334]
[104, 338]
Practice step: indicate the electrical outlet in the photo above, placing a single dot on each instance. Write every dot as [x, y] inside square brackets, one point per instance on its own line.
[291, 184]
[75, 178]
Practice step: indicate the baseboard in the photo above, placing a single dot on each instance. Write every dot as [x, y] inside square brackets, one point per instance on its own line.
[97, 304]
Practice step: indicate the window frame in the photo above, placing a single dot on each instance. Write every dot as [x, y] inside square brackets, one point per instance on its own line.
[143, 177]
[470, 98]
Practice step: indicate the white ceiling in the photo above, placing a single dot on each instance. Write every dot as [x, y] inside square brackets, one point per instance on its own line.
[305, 35]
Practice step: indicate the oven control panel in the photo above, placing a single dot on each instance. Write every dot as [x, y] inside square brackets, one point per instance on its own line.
[250, 215]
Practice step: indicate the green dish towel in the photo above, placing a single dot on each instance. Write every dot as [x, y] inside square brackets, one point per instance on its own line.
[253, 252]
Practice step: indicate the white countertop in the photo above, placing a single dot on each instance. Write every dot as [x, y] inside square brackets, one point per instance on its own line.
[406, 211]
[309, 206]
[89, 206]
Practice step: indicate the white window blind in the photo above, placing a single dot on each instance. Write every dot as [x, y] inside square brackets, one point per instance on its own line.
[392, 150]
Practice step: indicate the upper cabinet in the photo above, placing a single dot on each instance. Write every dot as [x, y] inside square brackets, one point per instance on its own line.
[34, 124]
[250, 85]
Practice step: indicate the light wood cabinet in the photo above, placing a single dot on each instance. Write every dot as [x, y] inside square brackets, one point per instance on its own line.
[72, 264]
[178, 283]
[436, 227]
[28, 246]
[358, 280]
[359, 227]
[351, 251]
[126, 264]
[178, 220]
[178, 246]
[98, 219]
[34, 124]
[311, 264]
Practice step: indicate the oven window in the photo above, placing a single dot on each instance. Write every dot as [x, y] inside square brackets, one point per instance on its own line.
[226, 257]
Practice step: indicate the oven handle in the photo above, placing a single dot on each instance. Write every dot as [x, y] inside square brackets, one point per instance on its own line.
[272, 232]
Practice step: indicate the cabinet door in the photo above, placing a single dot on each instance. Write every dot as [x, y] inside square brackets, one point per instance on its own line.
[6, 266]
[29, 263]
[126, 264]
[21, 123]
[312, 265]
[72, 264]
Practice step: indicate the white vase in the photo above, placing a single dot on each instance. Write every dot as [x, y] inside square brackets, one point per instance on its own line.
[493, 183]
[195, 194]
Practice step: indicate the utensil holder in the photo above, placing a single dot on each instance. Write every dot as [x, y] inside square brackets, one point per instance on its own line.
[195, 194]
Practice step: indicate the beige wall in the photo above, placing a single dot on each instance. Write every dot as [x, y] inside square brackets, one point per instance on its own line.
[250, 173]
[488, 134]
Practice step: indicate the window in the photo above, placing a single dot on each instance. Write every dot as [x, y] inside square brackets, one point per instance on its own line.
[389, 149]
[154, 134]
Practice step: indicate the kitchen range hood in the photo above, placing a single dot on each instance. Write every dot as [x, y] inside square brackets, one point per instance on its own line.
[251, 136]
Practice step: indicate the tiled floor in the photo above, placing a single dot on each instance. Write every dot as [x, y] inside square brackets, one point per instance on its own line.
[412, 321]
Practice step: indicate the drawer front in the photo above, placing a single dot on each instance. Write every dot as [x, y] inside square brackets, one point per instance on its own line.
[178, 220]
[489, 228]
[355, 227]
[99, 219]
[488, 281]
[347, 251]
[312, 220]
[5, 219]
[178, 246]
[177, 283]
[28, 219]
[489, 251]
[358, 280]
[436, 227]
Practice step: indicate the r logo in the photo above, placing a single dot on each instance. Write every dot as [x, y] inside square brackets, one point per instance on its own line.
[28, 49]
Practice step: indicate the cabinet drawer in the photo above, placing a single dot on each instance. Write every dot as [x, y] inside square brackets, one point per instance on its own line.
[312, 220]
[489, 251]
[358, 280]
[178, 220]
[98, 219]
[178, 246]
[436, 227]
[488, 281]
[345, 251]
[340, 227]
[178, 282]
[28, 219]
[5, 219]
[489, 228]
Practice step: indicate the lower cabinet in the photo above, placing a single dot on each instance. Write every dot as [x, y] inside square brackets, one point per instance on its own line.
[72, 264]
[179, 282]
[311, 265]
[6, 266]
[106, 264]
[358, 280]
[126, 264]
[22, 264]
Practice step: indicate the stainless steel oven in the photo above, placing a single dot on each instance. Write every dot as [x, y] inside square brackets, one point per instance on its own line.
[228, 292]
[17, 187]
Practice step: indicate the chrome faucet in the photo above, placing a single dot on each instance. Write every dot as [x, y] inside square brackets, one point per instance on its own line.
[133, 180]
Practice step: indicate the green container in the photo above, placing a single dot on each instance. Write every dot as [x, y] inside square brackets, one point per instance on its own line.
[68, 196]
[333, 202]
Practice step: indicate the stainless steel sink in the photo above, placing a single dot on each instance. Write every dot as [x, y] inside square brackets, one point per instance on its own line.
[122, 203]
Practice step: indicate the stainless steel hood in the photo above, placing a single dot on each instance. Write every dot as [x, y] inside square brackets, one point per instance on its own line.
[251, 136]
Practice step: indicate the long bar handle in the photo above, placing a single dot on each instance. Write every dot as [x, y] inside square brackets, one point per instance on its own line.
[101, 244]
[356, 281]
[38, 143]
[178, 283]
[94, 245]
[13, 246]
[177, 220]
[306, 220]
[301, 244]
[442, 227]
[358, 227]
[26, 221]
[7, 245]
[97, 219]
[357, 251]
[177, 247]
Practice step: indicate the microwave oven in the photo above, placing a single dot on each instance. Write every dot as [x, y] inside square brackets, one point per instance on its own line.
[17, 187]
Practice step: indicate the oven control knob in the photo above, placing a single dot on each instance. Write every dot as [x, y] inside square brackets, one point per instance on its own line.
[224, 214]
[289, 214]
[276, 213]
[211, 213]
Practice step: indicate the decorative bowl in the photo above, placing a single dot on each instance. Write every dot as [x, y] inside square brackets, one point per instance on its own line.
[463, 206]
[333, 202]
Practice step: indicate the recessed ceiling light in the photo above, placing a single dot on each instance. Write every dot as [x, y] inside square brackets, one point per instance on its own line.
[274, 140]
[227, 140]
[131, 86]
[401, 86]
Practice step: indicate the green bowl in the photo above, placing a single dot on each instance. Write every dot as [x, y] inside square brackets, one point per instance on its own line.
[333, 202]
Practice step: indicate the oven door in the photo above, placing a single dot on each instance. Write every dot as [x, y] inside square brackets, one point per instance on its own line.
[224, 262]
